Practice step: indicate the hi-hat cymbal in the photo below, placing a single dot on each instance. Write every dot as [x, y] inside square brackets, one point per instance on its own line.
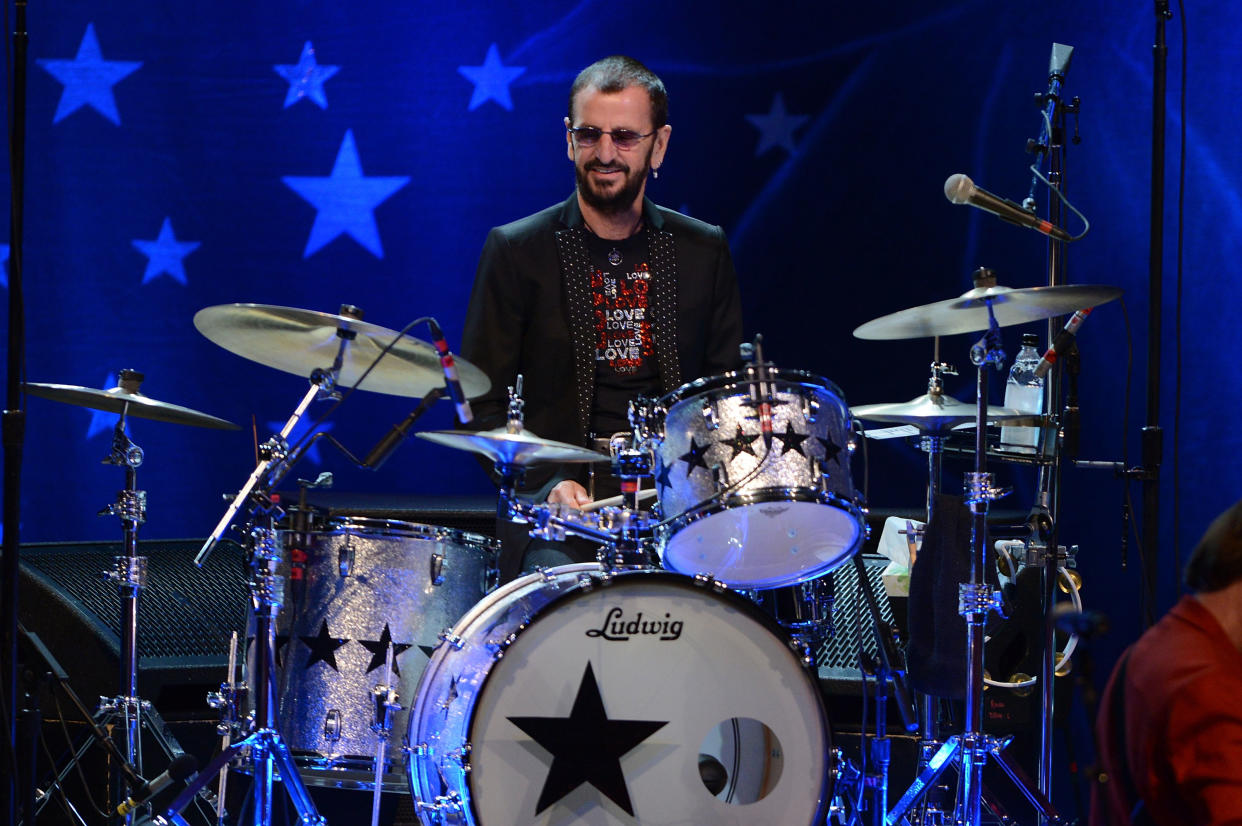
[133, 403]
[968, 313]
[522, 448]
[933, 414]
[302, 341]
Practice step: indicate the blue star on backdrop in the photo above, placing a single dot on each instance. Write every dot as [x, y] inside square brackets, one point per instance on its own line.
[165, 254]
[4, 265]
[88, 79]
[776, 128]
[101, 420]
[491, 80]
[306, 78]
[345, 201]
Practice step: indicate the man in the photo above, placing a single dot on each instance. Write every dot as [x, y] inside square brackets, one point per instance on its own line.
[601, 298]
[1170, 724]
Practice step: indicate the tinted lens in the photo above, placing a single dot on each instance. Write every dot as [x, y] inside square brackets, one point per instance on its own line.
[625, 139]
[587, 135]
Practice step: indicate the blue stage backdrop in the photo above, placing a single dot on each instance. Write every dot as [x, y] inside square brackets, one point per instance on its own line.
[313, 154]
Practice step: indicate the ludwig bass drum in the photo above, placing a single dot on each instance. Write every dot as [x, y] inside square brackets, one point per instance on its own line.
[579, 695]
[750, 514]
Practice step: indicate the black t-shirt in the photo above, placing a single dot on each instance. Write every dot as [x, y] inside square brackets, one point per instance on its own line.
[624, 350]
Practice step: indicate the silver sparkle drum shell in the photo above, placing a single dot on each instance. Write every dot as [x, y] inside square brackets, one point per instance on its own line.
[362, 576]
[726, 686]
[746, 515]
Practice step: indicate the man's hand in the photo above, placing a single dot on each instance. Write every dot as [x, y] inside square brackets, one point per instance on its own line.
[568, 492]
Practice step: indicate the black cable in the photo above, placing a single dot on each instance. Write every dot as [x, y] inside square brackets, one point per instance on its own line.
[1177, 322]
[294, 448]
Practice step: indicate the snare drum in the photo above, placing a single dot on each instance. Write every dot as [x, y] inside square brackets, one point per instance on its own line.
[366, 583]
[634, 697]
[747, 514]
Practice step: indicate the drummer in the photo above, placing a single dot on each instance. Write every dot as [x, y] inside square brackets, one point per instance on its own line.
[598, 299]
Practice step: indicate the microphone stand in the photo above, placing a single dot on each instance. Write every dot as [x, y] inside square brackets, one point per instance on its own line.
[14, 435]
[1152, 440]
[1049, 478]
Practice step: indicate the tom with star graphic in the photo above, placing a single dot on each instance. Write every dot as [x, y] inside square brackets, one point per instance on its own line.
[599, 299]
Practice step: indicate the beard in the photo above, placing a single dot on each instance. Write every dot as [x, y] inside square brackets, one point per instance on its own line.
[621, 198]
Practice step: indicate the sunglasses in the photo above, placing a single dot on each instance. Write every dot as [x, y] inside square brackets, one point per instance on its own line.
[621, 138]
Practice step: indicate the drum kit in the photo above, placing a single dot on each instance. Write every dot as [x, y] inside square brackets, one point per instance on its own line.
[667, 682]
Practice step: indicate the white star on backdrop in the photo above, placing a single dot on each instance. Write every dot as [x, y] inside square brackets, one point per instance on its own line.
[88, 79]
[491, 80]
[345, 201]
[776, 128]
[165, 254]
[306, 78]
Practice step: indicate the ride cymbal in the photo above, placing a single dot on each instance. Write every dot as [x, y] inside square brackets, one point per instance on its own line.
[968, 312]
[303, 341]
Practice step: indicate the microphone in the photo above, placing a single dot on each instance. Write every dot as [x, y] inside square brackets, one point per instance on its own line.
[450, 373]
[1061, 342]
[962, 190]
[396, 435]
[178, 770]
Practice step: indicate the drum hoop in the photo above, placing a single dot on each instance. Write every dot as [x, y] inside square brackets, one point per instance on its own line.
[736, 378]
[774, 496]
[764, 496]
[703, 583]
[374, 526]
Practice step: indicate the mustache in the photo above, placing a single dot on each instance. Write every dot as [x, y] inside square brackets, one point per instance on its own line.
[605, 167]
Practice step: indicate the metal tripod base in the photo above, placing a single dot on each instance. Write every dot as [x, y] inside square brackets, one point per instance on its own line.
[969, 756]
[268, 753]
[117, 714]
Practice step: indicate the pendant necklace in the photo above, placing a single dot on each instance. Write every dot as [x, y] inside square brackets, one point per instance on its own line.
[614, 255]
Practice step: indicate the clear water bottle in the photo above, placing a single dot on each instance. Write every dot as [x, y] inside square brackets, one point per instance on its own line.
[1024, 392]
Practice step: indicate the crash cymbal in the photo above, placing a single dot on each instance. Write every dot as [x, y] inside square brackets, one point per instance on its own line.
[933, 414]
[132, 402]
[969, 313]
[521, 448]
[302, 341]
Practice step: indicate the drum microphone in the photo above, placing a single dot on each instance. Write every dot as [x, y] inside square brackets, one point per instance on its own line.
[179, 769]
[397, 433]
[450, 373]
[962, 190]
[1061, 342]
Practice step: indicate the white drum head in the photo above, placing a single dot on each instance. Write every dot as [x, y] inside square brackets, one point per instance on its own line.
[624, 703]
[764, 545]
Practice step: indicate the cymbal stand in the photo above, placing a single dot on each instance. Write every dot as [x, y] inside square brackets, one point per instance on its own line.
[269, 755]
[127, 712]
[933, 442]
[970, 750]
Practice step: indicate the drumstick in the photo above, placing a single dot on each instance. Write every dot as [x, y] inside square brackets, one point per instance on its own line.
[613, 501]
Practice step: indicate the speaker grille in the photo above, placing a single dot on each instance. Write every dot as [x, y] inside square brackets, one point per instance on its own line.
[851, 620]
[183, 611]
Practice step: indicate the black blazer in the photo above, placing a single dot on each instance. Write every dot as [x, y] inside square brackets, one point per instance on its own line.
[530, 313]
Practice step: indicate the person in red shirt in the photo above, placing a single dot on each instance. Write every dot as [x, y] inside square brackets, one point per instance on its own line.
[1170, 722]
